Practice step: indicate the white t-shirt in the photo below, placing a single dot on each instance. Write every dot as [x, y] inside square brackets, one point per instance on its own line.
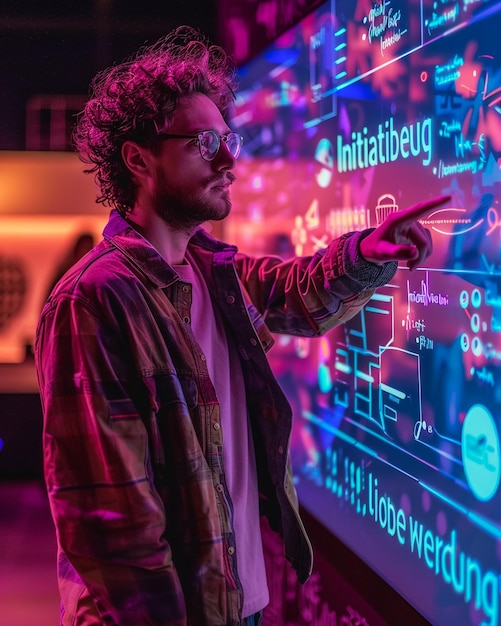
[238, 450]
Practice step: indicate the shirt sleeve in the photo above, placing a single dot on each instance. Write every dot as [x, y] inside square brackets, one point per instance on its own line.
[310, 295]
[110, 520]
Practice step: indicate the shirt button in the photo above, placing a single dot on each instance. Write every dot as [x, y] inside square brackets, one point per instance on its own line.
[186, 319]
[253, 341]
[216, 426]
[186, 288]
[230, 299]
[280, 449]
[202, 357]
[219, 488]
[231, 550]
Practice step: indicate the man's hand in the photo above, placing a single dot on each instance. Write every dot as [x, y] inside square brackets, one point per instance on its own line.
[401, 237]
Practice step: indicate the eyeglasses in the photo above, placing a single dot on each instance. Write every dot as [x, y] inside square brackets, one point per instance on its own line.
[209, 142]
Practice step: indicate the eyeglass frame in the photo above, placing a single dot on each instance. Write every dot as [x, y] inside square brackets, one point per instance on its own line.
[165, 136]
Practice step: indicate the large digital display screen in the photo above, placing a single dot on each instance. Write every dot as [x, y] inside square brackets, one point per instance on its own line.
[362, 109]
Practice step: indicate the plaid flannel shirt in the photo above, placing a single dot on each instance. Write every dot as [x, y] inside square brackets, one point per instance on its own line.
[132, 431]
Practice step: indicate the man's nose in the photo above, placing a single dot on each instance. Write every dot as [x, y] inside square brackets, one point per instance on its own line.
[224, 160]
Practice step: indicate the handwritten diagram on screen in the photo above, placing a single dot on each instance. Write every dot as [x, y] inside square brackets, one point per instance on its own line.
[360, 110]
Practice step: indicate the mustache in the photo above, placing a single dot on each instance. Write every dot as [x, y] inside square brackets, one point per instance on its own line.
[229, 177]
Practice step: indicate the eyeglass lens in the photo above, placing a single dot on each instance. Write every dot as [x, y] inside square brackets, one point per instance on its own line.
[210, 142]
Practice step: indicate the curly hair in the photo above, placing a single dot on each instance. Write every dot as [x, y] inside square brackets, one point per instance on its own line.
[129, 100]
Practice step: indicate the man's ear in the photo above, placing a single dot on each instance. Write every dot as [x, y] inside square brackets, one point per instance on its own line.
[135, 158]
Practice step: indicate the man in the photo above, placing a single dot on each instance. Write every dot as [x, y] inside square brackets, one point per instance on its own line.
[165, 432]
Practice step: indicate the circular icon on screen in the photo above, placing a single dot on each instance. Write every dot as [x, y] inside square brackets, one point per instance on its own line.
[480, 451]
[324, 156]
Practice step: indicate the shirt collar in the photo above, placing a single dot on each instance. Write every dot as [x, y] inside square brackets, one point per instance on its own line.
[123, 236]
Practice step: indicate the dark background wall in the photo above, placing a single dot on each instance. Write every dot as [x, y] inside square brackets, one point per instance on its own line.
[56, 46]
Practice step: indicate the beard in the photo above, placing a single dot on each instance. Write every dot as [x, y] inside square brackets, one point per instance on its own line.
[186, 211]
